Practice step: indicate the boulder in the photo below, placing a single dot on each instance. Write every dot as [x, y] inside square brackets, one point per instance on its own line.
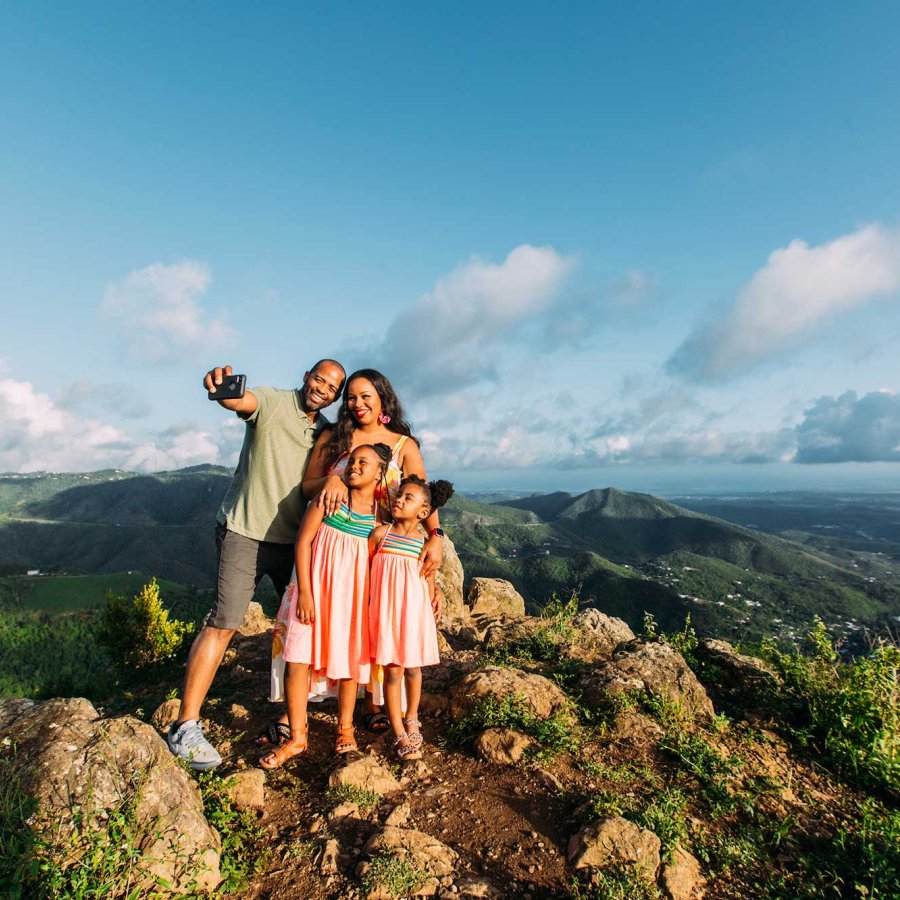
[503, 746]
[247, 789]
[505, 632]
[616, 841]
[77, 769]
[449, 578]
[539, 694]
[681, 877]
[255, 621]
[367, 774]
[494, 597]
[733, 676]
[165, 714]
[422, 850]
[598, 633]
[634, 728]
[652, 667]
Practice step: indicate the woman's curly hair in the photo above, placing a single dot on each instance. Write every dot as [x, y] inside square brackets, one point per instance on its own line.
[342, 433]
[437, 493]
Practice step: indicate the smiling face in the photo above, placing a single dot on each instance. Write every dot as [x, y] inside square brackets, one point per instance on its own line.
[321, 386]
[363, 402]
[363, 468]
[410, 504]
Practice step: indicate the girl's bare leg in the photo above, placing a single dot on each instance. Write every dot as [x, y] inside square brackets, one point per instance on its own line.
[413, 696]
[346, 704]
[393, 677]
[296, 692]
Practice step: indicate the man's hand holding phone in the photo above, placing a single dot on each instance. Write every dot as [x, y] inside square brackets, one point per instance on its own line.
[229, 390]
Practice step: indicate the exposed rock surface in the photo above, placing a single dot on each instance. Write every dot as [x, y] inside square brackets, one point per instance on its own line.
[503, 746]
[67, 757]
[449, 578]
[539, 694]
[681, 877]
[633, 727]
[494, 597]
[165, 714]
[653, 667]
[255, 621]
[737, 678]
[598, 633]
[425, 852]
[616, 841]
[365, 773]
[247, 789]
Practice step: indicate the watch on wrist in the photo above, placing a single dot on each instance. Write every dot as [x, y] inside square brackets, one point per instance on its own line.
[436, 531]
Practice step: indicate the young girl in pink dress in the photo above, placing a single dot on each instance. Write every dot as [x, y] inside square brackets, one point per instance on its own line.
[403, 607]
[327, 629]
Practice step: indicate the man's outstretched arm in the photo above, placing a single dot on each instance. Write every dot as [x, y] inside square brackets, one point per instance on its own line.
[243, 406]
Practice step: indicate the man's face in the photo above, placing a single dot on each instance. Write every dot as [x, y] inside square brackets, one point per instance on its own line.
[321, 386]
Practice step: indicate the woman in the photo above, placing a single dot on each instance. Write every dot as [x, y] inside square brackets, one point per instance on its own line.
[370, 413]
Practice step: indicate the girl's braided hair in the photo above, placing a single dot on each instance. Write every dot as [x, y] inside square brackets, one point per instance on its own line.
[437, 493]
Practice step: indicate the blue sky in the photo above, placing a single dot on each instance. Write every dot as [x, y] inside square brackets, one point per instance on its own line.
[652, 245]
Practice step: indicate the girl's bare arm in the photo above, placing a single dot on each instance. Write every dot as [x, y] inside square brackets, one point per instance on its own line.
[411, 463]
[309, 525]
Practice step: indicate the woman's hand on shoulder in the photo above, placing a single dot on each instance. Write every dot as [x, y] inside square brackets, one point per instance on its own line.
[332, 495]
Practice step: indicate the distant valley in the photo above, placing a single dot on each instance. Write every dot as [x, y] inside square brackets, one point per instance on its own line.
[627, 553]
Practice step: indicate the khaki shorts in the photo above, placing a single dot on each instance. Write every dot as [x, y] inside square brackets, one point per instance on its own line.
[243, 562]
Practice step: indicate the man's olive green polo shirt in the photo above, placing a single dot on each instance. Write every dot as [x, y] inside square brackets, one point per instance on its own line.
[264, 500]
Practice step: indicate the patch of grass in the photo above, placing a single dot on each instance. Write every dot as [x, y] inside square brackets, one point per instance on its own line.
[244, 845]
[343, 793]
[666, 816]
[615, 883]
[555, 734]
[396, 875]
[715, 772]
[872, 847]
[849, 710]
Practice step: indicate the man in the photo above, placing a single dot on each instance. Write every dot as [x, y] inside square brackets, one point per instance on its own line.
[256, 527]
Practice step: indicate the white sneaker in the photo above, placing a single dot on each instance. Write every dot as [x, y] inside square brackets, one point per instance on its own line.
[188, 742]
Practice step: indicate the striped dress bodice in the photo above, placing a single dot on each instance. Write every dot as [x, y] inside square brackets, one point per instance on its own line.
[401, 546]
[350, 522]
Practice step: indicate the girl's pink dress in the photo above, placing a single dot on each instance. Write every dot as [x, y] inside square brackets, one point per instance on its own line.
[401, 622]
[336, 645]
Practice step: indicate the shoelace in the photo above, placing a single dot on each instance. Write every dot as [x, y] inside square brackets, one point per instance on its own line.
[192, 736]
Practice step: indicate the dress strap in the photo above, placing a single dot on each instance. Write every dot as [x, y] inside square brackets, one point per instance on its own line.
[385, 536]
[399, 445]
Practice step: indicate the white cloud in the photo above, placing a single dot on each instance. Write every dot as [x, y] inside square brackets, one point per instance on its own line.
[39, 435]
[800, 288]
[158, 313]
[84, 395]
[850, 428]
[445, 340]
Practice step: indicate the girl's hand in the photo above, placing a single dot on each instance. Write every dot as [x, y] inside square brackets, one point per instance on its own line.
[332, 495]
[437, 601]
[432, 555]
[306, 611]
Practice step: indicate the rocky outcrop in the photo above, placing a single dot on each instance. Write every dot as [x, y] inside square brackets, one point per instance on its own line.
[427, 854]
[616, 841]
[449, 579]
[539, 695]
[79, 769]
[598, 633]
[655, 668]
[255, 622]
[737, 679]
[494, 597]
[367, 774]
[503, 746]
[681, 878]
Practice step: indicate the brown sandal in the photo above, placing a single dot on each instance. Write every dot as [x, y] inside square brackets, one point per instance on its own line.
[415, 737]
[346, 741]
[406, 748]
[277, 757]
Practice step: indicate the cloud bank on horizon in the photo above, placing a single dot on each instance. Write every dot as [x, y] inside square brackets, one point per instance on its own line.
[495, 363]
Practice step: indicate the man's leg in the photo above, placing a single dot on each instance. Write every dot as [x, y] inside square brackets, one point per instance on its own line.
[237, 578]
[203, 662]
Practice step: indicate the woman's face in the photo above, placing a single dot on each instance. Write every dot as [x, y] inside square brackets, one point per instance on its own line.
[363, 401]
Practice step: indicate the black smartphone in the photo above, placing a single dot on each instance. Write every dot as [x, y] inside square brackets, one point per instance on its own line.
[231, 388]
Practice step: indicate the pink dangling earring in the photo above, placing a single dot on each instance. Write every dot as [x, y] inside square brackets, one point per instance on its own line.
[383, 418]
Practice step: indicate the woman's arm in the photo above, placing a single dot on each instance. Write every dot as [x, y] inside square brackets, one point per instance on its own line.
[331, 490]
[411, 463]
[309, 525]
[437, 597]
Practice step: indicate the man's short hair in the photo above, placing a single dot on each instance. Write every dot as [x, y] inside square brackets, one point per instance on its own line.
[332, 362]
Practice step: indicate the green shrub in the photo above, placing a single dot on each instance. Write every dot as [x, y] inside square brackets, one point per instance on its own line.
[138, 632]
[848, 709]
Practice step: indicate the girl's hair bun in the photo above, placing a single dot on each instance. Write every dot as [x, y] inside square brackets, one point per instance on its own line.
[441, 492]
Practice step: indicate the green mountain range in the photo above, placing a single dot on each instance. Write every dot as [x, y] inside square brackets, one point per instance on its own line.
[627, 553]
